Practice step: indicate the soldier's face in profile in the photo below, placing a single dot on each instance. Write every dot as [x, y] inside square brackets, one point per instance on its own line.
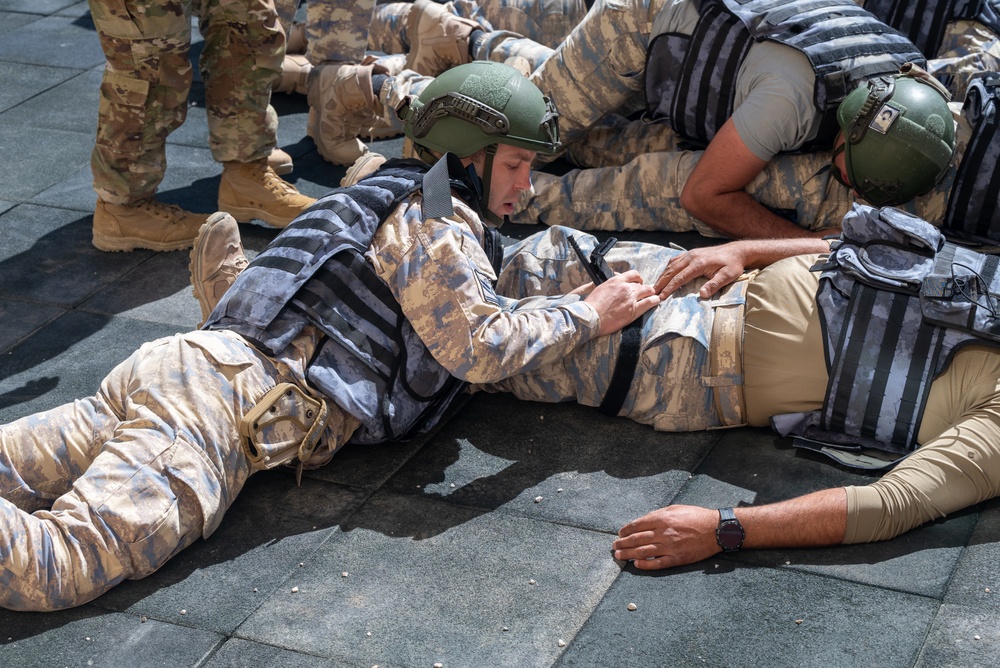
[511, 176]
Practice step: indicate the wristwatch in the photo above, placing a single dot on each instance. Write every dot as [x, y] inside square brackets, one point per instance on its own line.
[729, 534]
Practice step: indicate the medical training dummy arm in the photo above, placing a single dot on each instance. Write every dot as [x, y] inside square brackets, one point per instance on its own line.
[679, 535]
[726, 263]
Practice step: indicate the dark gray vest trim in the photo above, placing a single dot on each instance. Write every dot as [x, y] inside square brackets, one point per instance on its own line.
[973, 213]
[315, 272]
[924, 21]
[690, 80]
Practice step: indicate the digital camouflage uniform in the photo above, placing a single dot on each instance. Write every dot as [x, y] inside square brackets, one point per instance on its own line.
[643, 191]
[337, 31]
[144, 91]
[109, 488]
[599, 69]
[675, 384]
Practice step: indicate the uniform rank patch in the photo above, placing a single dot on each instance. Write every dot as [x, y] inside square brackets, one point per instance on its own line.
[884, 119]
[486, 289]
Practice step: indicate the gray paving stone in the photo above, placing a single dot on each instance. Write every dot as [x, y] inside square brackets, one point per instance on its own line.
[237, 653]
[431, 582]
[976, 581]
[717, 614]
[34, 171]
[23, 82]
[11, 21]
[756, 467]
[56, 106]
[158, 290]
[962, 637]
[60, 41]
[21, 319]
[47, 256]
[41, 7]
[88, 637]
[269, 535]
[67, 359]
[502, 453]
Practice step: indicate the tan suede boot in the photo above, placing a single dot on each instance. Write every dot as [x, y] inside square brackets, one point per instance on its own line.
[341, 108]
[150, 224]
[280, 161]
[362, 167]
[216, 260]
[439, 40]
[295, 71]
[251, 190]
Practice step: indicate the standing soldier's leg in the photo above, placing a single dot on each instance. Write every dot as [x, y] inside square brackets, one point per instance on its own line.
[144, 95]
[244, 48]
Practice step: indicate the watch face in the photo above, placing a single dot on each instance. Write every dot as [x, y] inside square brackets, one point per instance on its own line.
[730, 535]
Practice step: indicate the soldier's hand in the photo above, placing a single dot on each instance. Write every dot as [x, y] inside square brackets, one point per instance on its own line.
[621, 299]
[721, 265]
[671, 536]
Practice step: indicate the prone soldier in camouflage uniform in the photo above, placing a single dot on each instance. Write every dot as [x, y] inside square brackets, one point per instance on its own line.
[738, 341]
[760, 98]
[292, 365]
[144, 97]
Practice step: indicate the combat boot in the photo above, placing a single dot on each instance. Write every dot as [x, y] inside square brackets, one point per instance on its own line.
[252, 190]
[364, 166]
[439, 40]
[341, 108]
[216, 260]
[295, 71]
[150, 224]
[280, 161]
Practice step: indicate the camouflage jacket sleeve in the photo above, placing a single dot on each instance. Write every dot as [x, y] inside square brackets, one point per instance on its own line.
[440, 275]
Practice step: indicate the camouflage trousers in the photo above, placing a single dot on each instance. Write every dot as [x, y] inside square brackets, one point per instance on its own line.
[144, 91]
[111, 487]
[337, 31]
[675, 386]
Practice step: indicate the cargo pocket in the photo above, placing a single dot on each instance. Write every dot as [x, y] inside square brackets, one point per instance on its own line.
[122, 106]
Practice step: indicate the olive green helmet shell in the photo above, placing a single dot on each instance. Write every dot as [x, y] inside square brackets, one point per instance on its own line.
[479, 104]
[899, 138]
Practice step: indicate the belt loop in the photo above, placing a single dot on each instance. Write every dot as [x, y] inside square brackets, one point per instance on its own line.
[726, 360]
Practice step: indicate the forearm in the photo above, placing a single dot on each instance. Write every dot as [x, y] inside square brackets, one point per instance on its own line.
[812, 520]
[736, 215]
[760, 253]
[679, 535]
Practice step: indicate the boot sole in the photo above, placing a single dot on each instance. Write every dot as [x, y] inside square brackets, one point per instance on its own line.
[124, 244]
[194, 269]
[247, 214]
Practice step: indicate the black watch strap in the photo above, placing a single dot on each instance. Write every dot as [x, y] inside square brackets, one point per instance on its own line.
[729, 534]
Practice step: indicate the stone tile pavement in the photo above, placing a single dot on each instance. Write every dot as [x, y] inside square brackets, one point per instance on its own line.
[435, 551]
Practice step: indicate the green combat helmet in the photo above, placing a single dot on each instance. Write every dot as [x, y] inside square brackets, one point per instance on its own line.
[477, 106]
[899, 136]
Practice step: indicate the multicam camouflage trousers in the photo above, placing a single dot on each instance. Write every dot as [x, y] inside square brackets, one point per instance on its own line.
[109, 488]
[144, 92]
[683, 380]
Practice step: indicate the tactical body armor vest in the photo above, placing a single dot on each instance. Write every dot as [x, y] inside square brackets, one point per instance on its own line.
[924, 21]
[973, 213]
[691, 79]
[896, 301]
[369, 360]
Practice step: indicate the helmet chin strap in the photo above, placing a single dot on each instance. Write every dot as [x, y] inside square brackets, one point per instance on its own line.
[484, 201]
